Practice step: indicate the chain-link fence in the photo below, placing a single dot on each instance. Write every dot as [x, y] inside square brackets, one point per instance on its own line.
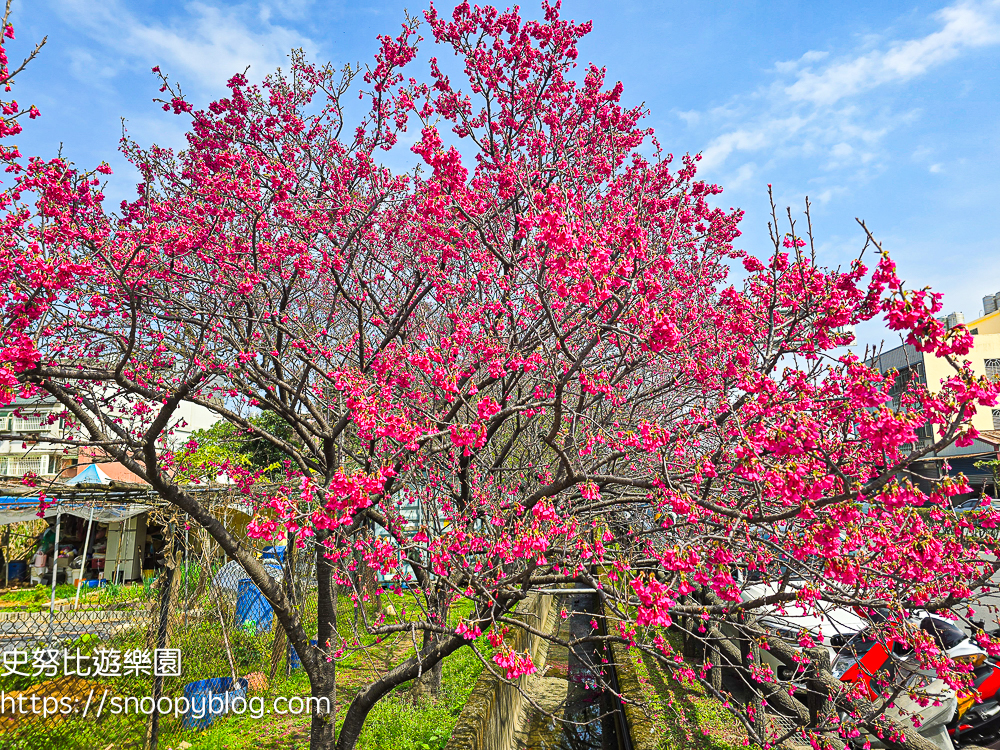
[149, 664]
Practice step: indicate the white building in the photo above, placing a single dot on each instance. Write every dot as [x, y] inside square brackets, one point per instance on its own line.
[25, 425]
[29, 452]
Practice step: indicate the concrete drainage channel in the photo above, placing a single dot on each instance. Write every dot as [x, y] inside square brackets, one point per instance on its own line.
[499, 717]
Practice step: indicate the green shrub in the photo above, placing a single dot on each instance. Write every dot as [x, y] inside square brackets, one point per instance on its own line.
[248, 648]
[396, 723]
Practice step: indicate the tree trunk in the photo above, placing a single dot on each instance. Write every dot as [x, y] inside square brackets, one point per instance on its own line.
[323, 674]
[353, 721]
[323, 729]
[428, 684]
[367, 697]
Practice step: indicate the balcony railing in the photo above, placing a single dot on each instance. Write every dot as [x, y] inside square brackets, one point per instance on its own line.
[30, 424]
[18, 467]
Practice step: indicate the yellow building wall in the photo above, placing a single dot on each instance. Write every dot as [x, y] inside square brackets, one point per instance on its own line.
[986, 325]
[985, 347]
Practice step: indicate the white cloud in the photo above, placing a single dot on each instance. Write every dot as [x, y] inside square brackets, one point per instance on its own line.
[936, 168]
[823, 106]
[964, 26]
[809, 57]
[842, 150]
[291, 9]
[739, 140]
[85, 67]
[206, 43]
[692, 118]
[743, 175]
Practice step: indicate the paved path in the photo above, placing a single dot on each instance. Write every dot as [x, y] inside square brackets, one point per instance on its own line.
[987, 605]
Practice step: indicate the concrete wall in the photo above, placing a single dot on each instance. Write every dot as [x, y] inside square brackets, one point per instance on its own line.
[115, 471]
[986, 324]
[641, 723]
[496, 708]
[985, 346]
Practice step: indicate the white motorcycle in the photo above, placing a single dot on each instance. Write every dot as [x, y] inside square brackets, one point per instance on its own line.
[868, 660]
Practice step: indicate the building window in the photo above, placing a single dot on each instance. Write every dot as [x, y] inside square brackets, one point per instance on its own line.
[996, 419]
[18, 467]
[29, 465]
[28, 424]
[905, 379]
[993, 368]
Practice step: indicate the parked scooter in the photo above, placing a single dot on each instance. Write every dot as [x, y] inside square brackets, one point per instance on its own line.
[980, 725]
[877, 664]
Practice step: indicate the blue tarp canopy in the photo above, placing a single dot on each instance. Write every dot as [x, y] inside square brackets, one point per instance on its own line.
[91, 475]
[18, 509]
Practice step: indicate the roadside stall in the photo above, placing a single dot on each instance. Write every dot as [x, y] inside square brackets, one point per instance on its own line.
[93, 532]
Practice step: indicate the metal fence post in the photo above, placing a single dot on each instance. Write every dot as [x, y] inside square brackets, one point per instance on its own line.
[166, 591]
[55, 572]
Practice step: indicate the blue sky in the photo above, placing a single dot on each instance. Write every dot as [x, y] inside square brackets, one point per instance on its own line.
[883, 111]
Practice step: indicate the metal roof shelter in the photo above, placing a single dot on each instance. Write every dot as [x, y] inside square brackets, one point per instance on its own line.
[18, 509]
[94, 497]
[107, 503]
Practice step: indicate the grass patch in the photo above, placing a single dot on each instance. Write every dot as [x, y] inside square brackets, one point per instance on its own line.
[683, 715]
[670, 713]
[36, 598]
[37, 594]
[395, 722]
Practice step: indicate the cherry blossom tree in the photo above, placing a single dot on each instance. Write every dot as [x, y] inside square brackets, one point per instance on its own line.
[533, 333]
[22, 251]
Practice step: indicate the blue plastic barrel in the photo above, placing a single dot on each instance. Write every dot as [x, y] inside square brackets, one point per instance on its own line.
[293, 656]
[251, 606]
[210, 699]
[274, 553]
[17, 570]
